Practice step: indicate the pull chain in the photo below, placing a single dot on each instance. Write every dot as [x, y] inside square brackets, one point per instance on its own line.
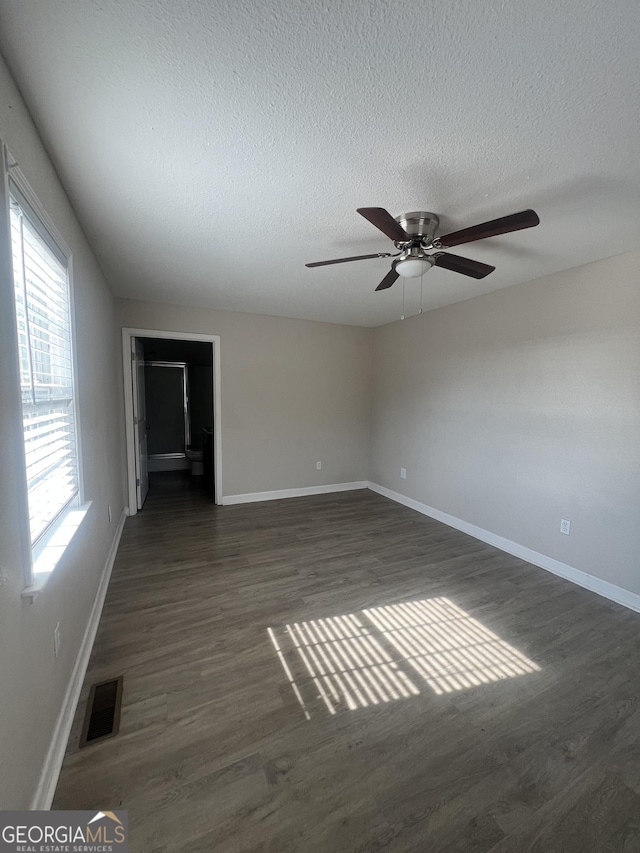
[421, 291]
[402, 315]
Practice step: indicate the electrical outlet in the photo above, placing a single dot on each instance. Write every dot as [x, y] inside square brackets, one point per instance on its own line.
[110, 514]
[56, 640]
[565, 526]
[403, 473]
[318, 466]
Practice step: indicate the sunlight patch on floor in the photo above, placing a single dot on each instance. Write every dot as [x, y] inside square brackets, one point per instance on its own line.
[347, 663]
[445, 646]
[384, 653]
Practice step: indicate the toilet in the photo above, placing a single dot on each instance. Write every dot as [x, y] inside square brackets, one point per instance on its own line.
[195, 458]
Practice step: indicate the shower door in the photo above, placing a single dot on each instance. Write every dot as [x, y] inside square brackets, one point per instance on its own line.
[167, 414]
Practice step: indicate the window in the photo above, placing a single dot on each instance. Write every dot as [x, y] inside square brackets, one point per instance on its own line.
[43, 319]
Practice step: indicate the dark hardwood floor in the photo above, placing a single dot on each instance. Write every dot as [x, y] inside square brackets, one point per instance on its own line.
[340, 673]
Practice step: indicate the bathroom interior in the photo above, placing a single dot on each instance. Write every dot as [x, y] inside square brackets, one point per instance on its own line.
[178, 391]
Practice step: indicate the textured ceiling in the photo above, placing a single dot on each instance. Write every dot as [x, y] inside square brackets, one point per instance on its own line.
[211, 149]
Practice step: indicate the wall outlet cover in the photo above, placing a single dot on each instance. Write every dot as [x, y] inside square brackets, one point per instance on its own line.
[565, 526]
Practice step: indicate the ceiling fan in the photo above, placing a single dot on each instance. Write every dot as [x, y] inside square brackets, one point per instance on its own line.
[414, 235]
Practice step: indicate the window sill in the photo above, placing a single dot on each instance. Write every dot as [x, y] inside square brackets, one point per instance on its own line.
[49, 552]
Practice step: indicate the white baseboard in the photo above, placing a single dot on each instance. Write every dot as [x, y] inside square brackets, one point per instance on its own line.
[163, 465]
[45, 791]
[251, 497]
[577, 576]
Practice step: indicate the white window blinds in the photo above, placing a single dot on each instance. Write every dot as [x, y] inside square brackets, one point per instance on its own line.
[42, 302]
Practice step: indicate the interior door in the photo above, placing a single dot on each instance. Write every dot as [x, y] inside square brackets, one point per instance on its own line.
[139, 421]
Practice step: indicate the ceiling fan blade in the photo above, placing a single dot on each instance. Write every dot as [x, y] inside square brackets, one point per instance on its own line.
[503, 225]
[388, 280]
[464, 265]
[346, 260]
[383, 220]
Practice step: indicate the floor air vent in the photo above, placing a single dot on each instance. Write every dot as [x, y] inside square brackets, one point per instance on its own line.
[102, 719]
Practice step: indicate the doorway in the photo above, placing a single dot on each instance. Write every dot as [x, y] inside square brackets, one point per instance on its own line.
[172, 410]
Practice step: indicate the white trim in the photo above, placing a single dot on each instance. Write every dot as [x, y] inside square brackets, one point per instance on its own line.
[15, 182]
[43, 796]
[51, 548]
[23, 186]
[127, 334]
[10, 373]
[591, 582]
[252, 497]
[128, 422]
[155, 465]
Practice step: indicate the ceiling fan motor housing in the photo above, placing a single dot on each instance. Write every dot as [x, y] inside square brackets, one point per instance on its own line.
[419, 223]
[421, 227]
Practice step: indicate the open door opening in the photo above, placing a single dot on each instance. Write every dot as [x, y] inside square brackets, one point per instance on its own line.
[172, 407]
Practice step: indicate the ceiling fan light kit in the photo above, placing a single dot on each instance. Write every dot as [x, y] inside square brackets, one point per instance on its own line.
[414, 235]
[412, 265]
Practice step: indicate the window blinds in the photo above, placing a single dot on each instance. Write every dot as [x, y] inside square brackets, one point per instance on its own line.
[46, 370]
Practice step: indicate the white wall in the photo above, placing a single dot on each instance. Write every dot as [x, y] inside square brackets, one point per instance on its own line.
[294, 392]
[521, 407]
[32, 681]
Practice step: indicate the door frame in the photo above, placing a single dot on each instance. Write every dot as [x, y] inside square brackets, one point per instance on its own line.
[129, 333]
[138, 386]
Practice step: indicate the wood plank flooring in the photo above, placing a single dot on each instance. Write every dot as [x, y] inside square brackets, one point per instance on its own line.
[418, 690]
